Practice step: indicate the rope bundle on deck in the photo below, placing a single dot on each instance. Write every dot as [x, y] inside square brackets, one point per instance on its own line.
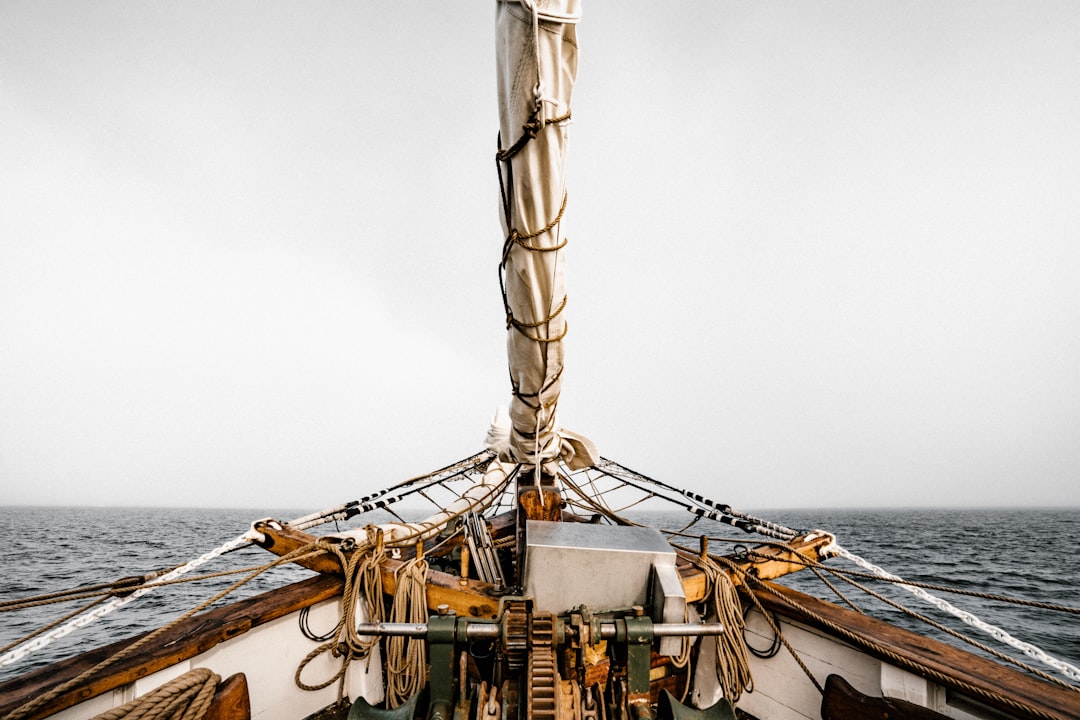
[187, 697]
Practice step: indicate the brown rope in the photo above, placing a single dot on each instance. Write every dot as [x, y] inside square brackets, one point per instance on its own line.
[733, 568]
[943, 628]
[523, 328]
[515, 237]
[105, 590]
[732, 661]
[519, 238]
[187, 697]
[528, 131]
[363, 582]
[50, 626]
[406, 658]
[938, 588]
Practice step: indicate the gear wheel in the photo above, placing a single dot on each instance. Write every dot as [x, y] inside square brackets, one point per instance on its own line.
[542, 678]
[515, 640]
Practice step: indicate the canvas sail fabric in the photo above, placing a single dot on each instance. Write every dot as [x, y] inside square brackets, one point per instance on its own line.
[536, 46]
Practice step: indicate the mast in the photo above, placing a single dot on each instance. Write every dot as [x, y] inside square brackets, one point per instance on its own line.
[536, 48]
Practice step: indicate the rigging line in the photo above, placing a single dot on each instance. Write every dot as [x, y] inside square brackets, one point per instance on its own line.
[933, 623]
[123, 590]
[743, 524]
[1068, 670]
[30, 603]
[77, 593]
[439, 545]
[1037, 604]
[958, 635]
[491, 492]
[461, 467]
[116, 603]
[634, 504]
[84, 591]
[368, 502]
[60, 689]
[33, 634]
[701, 499]
[688, 525]
[595, 504]
[865, 641]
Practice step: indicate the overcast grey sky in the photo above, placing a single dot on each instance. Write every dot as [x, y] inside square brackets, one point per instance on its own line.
[822, 254]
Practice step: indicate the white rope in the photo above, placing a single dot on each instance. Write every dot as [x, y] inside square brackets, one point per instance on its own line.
[1066, 669]
[19, 652]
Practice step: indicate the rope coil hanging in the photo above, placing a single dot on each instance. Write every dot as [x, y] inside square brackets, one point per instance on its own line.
[363, 584]
[406, 658]
[732, 661]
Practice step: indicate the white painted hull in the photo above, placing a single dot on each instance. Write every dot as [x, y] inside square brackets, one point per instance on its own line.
[268, 655]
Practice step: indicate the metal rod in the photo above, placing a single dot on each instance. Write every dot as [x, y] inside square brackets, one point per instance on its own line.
[685, 629]
[476, 630]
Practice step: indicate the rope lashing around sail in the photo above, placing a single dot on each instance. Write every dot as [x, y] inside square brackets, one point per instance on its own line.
[518, 238]
[523, 327]
[514, 236]
[529, 131]
[187, 697]
[1068, 670]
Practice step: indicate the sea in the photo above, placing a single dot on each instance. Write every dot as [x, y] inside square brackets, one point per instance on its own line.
[1024, 553]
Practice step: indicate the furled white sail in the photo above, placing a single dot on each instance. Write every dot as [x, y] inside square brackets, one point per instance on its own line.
[537, 65]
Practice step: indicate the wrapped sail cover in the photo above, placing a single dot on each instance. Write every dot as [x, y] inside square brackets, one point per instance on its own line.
[536, 45]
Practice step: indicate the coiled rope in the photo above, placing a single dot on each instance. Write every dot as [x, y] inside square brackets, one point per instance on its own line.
[406, 658]
[363, 584]
[732, 662]
[187, 697]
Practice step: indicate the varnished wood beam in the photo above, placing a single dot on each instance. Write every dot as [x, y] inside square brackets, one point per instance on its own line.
[767, 562]
[468, 598]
